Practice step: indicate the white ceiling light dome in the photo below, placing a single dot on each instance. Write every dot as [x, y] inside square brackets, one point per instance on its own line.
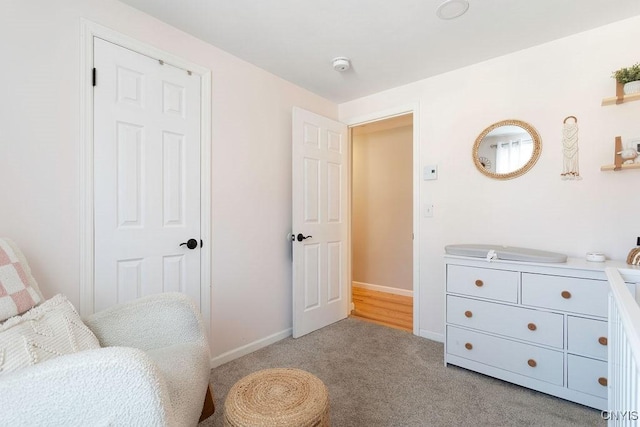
[450, 9]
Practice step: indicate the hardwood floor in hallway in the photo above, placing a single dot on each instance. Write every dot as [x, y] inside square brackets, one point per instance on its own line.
[383, 308]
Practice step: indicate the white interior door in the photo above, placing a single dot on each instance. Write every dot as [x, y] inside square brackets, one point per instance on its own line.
[146, 177]
[320, 228]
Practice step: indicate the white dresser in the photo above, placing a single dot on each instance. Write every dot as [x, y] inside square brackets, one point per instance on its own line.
[542, 326]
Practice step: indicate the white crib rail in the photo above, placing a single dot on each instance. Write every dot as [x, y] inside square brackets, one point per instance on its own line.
[624, 354]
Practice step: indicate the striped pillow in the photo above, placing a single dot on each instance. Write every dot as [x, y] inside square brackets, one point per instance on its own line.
[16, 295]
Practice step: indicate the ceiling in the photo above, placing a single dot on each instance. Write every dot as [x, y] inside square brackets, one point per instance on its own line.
[389, 42]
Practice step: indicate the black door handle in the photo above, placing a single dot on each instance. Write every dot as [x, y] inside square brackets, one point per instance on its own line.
[191, 243]
[300, 237]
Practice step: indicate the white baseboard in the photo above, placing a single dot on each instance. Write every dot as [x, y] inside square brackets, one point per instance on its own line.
[396, 291]
[249, 348]
[431, 335]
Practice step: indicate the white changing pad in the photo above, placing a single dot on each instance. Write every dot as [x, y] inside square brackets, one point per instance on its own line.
[509, 253]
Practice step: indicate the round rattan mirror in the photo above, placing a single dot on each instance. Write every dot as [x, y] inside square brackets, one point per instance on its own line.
[507, 149]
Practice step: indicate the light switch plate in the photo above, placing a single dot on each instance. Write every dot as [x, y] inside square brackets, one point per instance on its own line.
[428, 210]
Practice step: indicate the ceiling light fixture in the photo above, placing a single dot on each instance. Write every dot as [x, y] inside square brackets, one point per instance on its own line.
[341, 63]
[451, 9]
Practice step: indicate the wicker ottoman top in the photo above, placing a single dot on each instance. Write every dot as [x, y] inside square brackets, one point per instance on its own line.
[277, 397]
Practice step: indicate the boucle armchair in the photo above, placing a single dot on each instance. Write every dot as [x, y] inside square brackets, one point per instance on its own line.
[152, 369]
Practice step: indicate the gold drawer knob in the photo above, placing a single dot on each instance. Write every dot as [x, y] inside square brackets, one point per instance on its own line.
[603, 340]
[532, 363]
[602, 381]
[479, 283]
[532, 326]
[566, 294]
[468, 346]
[468, 314]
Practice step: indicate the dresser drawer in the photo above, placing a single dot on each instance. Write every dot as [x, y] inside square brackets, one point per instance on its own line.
[587, 337]
[522, 323]
[524, 359]
[501, 285]
[587, 375]
[570, 294]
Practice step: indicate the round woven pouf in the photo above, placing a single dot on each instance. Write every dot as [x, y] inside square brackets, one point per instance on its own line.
[277, 397]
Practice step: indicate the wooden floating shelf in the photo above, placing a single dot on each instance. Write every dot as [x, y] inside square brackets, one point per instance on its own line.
[618, 160]
[620, 97]
[626, 98]
[622, 167]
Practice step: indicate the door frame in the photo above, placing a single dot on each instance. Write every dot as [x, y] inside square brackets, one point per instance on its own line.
[88, 31]
[352, 122]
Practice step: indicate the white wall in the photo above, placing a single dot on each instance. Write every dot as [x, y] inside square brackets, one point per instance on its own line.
[542, 86]
[382, 202]
[251, 159]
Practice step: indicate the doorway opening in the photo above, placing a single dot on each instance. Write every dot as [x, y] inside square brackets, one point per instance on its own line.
[382, 221]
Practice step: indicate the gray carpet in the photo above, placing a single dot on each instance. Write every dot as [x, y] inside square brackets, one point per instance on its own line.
[379, 377]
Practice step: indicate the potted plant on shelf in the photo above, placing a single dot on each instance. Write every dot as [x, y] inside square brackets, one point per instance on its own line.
[629, 77]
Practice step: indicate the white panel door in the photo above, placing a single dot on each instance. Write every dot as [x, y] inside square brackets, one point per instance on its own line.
[320, 240]
[146, 177]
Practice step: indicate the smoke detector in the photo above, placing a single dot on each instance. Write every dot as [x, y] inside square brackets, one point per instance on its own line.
[341, 64]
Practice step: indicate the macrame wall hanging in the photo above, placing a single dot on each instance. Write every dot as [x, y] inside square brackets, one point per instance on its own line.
[570, 167]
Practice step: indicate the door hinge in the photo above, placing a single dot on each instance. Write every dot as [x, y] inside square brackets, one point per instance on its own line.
[93, 76]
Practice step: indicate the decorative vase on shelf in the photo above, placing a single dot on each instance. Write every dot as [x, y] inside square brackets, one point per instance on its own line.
[631, 87]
